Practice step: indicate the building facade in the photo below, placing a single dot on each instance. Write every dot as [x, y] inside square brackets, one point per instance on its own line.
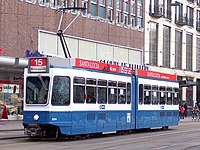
[172, 38]
[108, 30]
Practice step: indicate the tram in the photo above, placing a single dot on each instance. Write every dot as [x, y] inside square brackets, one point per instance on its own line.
[73, 96]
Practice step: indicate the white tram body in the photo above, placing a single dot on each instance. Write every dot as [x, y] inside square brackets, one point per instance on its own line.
[80, 97]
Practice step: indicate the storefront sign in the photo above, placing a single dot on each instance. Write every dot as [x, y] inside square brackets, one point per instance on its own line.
[9, 88]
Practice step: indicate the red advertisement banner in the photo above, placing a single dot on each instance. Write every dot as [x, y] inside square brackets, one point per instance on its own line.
[157, 75]
[90, 64]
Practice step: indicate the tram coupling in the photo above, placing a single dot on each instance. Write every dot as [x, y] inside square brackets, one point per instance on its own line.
[33, 130]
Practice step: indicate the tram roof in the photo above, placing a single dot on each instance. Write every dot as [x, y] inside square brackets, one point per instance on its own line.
[42, 65]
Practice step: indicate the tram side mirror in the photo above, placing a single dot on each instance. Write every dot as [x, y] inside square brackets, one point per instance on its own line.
[14, 89]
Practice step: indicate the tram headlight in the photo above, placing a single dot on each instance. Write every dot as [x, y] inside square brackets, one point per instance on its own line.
[36, 117]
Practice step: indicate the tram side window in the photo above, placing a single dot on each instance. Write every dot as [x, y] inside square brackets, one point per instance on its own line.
[154, 94]
[162, 95]
[147, 94]
[169, 96]
[128, 93]
[102, 91]
[79, 90]
[91, 87]
[112, 92]
[175, 96]
[121, 92]
[61, 91]
[141, 94]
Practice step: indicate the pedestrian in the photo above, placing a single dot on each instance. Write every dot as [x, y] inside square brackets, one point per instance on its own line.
[195, 112]
[186, 110]
[182, 110]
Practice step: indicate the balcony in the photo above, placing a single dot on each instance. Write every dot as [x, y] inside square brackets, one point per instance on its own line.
[181, 20]
[156, 11]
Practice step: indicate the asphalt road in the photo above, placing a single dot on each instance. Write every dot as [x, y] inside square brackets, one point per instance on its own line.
[183, 137]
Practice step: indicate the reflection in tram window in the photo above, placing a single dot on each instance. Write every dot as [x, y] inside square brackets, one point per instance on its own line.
[141, 94]
[175, 96]
[169, 96]
[154, 95]
[79, 90]
[37, 90]
[112, 92]
[128, 93]
[121, 92]
[102, 91]
[162, 95]
[147, 94]
[61, 91]
[91, 91]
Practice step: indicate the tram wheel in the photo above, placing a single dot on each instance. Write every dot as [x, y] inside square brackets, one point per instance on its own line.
[165, 128]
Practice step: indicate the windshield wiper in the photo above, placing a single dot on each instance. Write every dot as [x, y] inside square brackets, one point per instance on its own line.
[43, 83]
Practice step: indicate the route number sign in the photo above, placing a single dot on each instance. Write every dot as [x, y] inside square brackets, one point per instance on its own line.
[38, 65]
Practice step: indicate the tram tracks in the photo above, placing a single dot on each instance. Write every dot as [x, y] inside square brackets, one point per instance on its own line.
[105, 142]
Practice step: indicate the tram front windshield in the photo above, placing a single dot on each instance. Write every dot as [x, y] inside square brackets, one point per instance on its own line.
[37, 90]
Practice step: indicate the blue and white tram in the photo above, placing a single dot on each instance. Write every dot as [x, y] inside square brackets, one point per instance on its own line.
[75, 97]
[156, 100]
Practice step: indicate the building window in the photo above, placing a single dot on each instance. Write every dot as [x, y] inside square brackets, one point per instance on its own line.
[126, 14]
[93, 7]
[53, 4]
[180, 17]
[167, 9]
[166, 46]
[110, 10]
[153, 43]
[31, 1]
[133, 13]
[42, 2]
[198, 54]
[139, 13]
[190, 12]
[178, 49]
[102, 8]
[84, 5]
[74, 3]
[118, 11]
[198, 20]
[189, 49]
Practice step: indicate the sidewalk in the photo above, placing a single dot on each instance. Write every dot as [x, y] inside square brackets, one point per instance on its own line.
[187, 119]
[11, 125]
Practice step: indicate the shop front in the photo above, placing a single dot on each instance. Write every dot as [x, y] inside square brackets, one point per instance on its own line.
[11, 95]
[11, 85]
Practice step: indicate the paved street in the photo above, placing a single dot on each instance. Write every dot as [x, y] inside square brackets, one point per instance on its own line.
[10, 125]
[14, 129]
[183, 137]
